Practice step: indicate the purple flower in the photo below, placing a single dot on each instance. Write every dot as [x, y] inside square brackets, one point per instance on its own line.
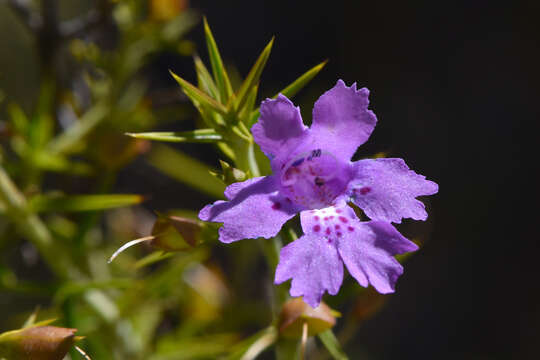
[313, 175]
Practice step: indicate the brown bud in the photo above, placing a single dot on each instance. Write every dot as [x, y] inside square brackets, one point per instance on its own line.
[296, 312]
[169, 233]
[174, 233]
[37, 343]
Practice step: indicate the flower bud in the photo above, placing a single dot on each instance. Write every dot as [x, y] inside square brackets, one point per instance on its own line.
[174, 233]
[296, 312]
[37, 343]
[170, 233]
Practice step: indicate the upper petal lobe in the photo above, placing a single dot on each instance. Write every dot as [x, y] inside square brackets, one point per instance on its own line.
[386, 190]
[255, 209]
[342, 121]
[280, 126]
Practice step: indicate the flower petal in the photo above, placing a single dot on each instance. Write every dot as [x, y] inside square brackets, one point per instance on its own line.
[386, 190]
[255, 210]
[314, 266]
[368, 254]
[342, 121]
[279, 128]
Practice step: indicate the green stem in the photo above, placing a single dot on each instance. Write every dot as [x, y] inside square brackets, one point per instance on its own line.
[245, 157]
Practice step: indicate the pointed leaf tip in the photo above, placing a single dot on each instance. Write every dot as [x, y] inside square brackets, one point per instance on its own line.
[220, 73]
[253, 77]
[198, 97]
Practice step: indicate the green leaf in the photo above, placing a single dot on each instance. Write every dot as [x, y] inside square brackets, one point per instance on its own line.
[250, 102]
[18, 118]
[58, 163]
[206, 83]
[197, 96]
[299, 83]
[186, 170]
[331, 343]
[195, 136]
[220, 74]
[152, 258]
[253, 77]
[46, 203]
[293, 88]
[69, 139]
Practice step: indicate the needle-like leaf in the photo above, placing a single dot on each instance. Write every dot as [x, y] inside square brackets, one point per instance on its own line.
[197, 96]
[195, 136]
[253, 77]
[220, 74]
[44, 203]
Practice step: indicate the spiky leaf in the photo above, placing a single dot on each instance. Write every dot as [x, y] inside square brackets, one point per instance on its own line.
[197, 96]
[253, 77]
[195, 136]
[220, 74]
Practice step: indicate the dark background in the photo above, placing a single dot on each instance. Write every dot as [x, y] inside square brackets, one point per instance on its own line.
[455, 87]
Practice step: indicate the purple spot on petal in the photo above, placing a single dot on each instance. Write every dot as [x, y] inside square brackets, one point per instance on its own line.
[339, 234]
[317, 228]
[365, 190]
[325, 218]
[328, 231]
[316, 218]
[350, 228]
[343, 219]
[331, 217]
[338, 211]
[337, 227]
[276, 206]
